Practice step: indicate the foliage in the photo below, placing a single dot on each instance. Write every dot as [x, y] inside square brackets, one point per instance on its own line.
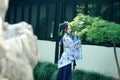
[98, 31]
[48, 71]
[103, 31]
[85, 75]
[78, 74]
[96, 76]
[95, 29]
[113, 32]
[81, 23]
[44, 70]
[53, 77]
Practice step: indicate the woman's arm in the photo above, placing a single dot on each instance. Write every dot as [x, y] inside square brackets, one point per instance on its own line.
[70, 43]
[74, 48]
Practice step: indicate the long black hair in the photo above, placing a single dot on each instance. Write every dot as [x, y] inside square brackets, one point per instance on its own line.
[63, 28]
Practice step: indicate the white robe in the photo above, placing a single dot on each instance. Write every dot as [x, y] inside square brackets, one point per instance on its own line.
[72, 50]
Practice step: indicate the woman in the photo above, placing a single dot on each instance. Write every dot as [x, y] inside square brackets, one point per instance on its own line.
[71, 52]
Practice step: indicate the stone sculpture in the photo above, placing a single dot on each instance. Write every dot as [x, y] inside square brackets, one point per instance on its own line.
[18, 48]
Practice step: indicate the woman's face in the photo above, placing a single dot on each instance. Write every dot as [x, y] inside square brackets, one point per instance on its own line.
[69, 29]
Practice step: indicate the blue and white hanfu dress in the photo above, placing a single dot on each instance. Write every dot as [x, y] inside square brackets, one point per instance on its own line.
[72, 51]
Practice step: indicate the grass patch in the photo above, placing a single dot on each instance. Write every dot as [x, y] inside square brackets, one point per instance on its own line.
[48, 71]
[96, 76]
[44, 70]
[53, 77]
[78, 74]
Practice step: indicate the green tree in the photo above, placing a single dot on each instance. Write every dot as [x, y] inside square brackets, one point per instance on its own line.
[98, 31]
[81, 24]
[102, 31]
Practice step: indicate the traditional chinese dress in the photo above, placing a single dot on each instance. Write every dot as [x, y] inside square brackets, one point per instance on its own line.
[72, 51]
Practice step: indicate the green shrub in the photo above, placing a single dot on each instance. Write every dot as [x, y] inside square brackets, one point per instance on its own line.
[95, 30]
[95, 76]
[86, 75]
[48, 71]
[78, 74]
[53, 77]
[44, 70]
[81, 23]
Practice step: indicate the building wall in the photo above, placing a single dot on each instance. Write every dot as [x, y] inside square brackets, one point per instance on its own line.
[95, 58]
[45, 15]
[99, 59]
[42, 17]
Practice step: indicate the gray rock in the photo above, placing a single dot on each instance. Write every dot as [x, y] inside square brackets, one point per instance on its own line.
[18, 48]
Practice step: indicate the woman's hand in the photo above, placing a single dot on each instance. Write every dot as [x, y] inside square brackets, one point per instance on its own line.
[76, 33]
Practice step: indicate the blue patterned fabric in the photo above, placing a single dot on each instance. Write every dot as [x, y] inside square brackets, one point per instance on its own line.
[72, 50]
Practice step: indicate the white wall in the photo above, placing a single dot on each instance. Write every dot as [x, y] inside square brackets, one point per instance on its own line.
[95, 58]
[99, 59]
[46, 50]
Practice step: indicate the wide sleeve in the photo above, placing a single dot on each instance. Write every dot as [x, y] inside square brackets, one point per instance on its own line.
[75, 51]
